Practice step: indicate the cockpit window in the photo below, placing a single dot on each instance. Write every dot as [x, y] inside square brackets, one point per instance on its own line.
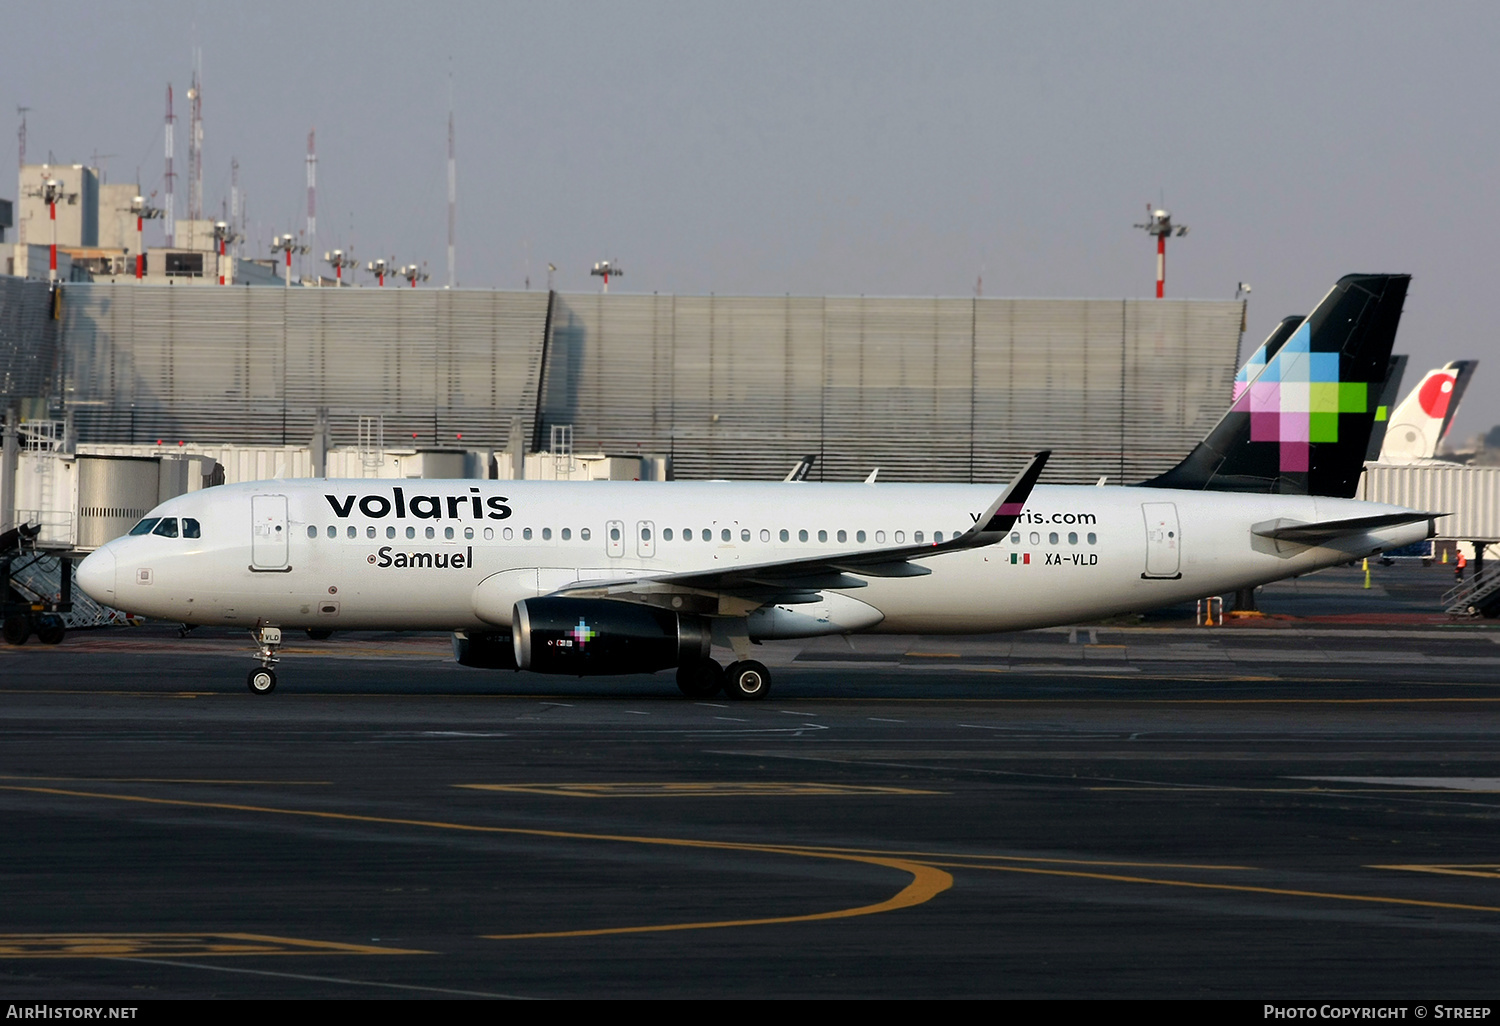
[167, 528]
[145, 526]
[190, 528]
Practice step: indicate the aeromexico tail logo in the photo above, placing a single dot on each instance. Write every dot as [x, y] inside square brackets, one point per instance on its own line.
[421, 507]
[1297, 400]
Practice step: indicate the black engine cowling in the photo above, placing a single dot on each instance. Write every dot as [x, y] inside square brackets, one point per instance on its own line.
[588, 637]
[484, 650]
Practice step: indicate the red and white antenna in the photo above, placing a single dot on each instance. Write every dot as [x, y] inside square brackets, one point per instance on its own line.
[171, 201]
[1159, 223]
[235, 208]
[312, 188]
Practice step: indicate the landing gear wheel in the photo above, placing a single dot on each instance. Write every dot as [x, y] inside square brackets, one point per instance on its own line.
[320, 633]
[702, 679]
[50, 630]
[16, 630]
[262, 681]
[747, 680]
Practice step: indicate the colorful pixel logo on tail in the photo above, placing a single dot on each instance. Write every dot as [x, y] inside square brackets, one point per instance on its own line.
[1302, 425]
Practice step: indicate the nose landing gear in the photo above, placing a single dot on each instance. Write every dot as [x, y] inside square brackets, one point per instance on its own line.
[262, 679]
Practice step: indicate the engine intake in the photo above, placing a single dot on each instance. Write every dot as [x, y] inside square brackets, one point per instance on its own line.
[589, 637]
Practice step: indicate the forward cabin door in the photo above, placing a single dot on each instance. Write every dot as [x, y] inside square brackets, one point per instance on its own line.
[1163, 540]
[268, 533]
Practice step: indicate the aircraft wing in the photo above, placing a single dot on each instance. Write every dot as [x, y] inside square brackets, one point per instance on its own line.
[1282, 529]
[801, 579]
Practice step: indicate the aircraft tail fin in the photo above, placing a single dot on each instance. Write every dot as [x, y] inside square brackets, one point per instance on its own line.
[1267, 351]
[1302, 425]
[1384, 405]
[1424, 416]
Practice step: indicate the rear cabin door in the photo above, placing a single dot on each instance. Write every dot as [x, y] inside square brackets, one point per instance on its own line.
[268, 533]
[1163, 540]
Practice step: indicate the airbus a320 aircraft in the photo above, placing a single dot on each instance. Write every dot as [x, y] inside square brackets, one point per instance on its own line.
[632, 577]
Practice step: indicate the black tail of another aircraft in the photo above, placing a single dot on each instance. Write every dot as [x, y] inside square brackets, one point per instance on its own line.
[1302, 426]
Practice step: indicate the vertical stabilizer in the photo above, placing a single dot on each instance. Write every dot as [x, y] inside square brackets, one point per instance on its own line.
[1302, 426]
[1384, 405]
[1424, 416]
[1267, 351]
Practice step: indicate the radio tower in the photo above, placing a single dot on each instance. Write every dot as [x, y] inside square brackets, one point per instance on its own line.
[21, 136]
[195, 140]
[171, 207]
[452, 182]
[234, 205]
[312, 191]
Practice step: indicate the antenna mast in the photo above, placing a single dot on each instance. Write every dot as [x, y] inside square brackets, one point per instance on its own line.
[171, 208]
[21, 136]
[452, 182]
[195, 139]
[235, 220]
[312, 191]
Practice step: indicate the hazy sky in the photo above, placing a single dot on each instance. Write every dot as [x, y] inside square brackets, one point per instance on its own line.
[846, 148]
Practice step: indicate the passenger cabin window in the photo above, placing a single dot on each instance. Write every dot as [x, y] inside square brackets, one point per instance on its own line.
[916, 536]
[526, 533]
[448, 533]
[1015, 537]
[784, 535]
[567, 534]
[687, 534]
[390, 532]
[583, 533]
[880, 537]
[145, 526]
[430, 533]
[468, 532]
[353, 531]
[859, 536]
[411, 532]
[843, 536]
[822, 536]
[901, 536]
[1093, 538]
[167, 528]
[546, 534]
[614, 534]
[708, 535]
[1052, 538]
[370, 531]
[765, 535]
[1072, 537]
[333, 532]
[190, 528]
[724, 535]
[745, 534]
[1036, 539]
[312, 532]
[937, 536]
[666, 534]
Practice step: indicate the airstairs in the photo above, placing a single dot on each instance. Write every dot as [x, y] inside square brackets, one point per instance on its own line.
[1479, 596]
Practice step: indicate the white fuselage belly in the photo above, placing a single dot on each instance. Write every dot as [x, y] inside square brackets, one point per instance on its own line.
[1076, 553]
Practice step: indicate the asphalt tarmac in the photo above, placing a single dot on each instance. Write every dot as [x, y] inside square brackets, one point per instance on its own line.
[1306, 807]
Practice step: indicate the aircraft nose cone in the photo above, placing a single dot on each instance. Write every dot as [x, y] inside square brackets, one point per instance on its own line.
[96, 575]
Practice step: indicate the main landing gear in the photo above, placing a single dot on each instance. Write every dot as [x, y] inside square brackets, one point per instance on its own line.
[262, 679]
[746, 679]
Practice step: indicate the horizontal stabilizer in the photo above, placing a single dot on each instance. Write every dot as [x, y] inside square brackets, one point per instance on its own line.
[1282, 529]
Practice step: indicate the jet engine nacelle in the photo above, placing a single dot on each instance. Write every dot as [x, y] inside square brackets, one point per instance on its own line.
[587, 637]
[484, 650]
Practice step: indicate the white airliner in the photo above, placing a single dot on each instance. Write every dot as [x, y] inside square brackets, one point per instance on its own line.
[629, 577]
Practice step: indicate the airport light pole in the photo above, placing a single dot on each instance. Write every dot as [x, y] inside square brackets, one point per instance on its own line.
[224, 234]
[1159, 223]
[380, 268]
[143, 213]
[413, 274]
[52, 193]
[605, 268]
[287, 244]
[339, 260]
